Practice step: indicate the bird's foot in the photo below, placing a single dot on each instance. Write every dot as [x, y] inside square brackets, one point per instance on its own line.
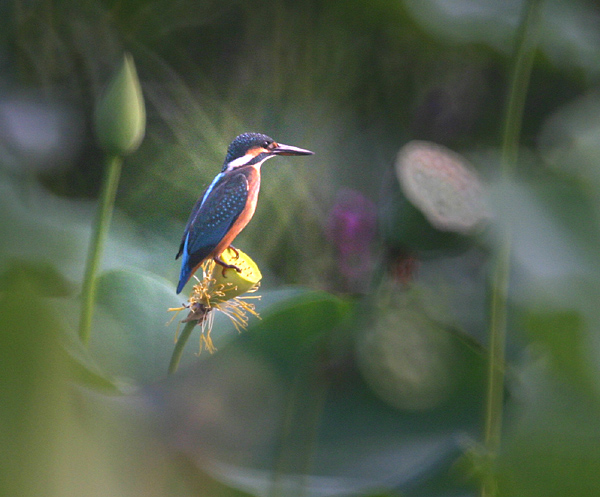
[225, 266]
[237, 252]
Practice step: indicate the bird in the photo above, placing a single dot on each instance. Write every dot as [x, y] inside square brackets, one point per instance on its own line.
[228, 204]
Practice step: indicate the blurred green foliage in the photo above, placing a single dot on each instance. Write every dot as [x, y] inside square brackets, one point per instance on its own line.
[372, 386]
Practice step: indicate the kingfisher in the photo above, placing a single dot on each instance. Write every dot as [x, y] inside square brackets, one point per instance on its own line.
[228, 204]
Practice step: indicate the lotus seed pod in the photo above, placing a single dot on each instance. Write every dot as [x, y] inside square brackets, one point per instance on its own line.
[442, 185]
[231, 282]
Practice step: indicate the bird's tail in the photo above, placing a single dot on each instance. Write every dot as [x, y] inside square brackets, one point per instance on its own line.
[184, 277]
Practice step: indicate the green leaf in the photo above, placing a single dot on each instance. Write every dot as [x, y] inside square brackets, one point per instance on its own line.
[291, 328]
[415, 364]
[131, 339]
[47, 279]
[563, 335]
[33, 386]
[552, 450]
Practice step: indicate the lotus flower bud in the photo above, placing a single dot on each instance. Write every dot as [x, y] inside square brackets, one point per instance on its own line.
[120, 117]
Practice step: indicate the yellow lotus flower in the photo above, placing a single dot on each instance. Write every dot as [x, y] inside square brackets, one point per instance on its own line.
[231, 282]
[222, 289]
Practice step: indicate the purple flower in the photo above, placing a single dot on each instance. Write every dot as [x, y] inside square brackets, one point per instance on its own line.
[351, 227]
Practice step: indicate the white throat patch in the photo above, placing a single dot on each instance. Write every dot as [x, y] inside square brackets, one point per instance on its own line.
[243, 160]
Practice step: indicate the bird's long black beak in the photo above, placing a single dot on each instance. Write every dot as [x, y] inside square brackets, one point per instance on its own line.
[282, 149]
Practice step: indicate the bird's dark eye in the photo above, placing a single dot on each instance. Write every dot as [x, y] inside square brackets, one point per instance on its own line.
[267, 144]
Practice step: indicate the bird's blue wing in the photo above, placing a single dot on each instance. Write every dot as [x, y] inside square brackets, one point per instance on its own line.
[211, 219]
[187, 226]
[217, 214]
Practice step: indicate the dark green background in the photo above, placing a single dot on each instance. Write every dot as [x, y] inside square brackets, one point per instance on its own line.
[373, 386]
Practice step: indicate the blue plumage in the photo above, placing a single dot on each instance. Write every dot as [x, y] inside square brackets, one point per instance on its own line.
[210, 221]
[228, 204]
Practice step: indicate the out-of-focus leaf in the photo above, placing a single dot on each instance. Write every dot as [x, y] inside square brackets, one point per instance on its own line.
[33, 387]
[291, 328]
[466, 21]
[563, 336]
[48, 284]
[555, 242]
[58, 439]
[132, 339]
[552, 448]
[45, 228]
[47, 280]
[570, 139]
[29, 215]
[546, 222]
[571, 35]
[562, 322]
[84, 369]
[451, 290]
[414, 363]
[570, 32]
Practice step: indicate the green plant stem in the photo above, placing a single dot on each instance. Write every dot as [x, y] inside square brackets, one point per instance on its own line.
[179, 346]
[101, 225]
[526, 44]
[525, 51]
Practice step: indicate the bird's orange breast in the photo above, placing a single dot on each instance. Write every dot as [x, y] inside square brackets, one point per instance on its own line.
[253, 175]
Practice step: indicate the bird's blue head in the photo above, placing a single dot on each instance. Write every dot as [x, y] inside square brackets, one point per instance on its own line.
[254, 148]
